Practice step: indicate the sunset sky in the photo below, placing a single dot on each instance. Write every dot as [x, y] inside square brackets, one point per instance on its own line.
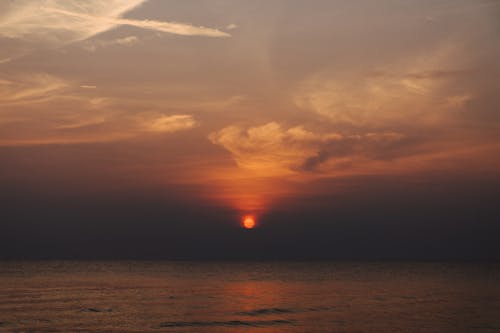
[349, 129]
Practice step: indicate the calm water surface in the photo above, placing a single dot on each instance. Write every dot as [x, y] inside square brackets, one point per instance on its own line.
[248, 297]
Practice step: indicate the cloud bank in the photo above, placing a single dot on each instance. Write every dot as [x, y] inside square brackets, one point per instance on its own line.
[39, 109]
[273, 150]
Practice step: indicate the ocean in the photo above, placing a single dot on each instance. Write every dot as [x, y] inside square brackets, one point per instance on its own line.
[262, 297]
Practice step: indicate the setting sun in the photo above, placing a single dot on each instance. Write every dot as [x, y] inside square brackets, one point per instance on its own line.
[248, 222]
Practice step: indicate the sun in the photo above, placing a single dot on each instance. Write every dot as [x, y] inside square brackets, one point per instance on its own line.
[248, 222]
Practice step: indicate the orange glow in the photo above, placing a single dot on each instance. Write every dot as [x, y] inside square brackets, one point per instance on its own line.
[248, 222]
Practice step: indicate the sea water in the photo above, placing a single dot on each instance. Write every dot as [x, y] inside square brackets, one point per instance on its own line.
[262, 297]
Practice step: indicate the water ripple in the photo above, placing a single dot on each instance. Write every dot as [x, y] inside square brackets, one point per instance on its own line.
[265, 311]
[229, 323]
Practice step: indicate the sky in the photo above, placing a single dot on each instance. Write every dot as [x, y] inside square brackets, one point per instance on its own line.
[347, 129]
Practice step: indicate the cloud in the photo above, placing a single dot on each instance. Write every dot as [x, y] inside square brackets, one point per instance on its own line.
[93, 45]
[169, 123]
[362, 148]
[130, 40]
[161, 26]
[60, 22]
[368, 101]
[54, 23]
[44, 109]
[173, 28]
[273, 150]
[409, 91]
[424, 104]
[30, 88]
[268, 149]
[87, 125]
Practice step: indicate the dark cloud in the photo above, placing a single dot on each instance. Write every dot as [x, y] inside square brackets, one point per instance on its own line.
[382, 146]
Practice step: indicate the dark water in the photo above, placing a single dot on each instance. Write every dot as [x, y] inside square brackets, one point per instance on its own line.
[249, 297]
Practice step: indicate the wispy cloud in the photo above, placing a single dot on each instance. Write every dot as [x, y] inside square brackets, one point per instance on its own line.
[30, 88]
[412, 92]
[44, 109]
[94, 44]
[162, 26]
[169, 123]
[59, 22]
